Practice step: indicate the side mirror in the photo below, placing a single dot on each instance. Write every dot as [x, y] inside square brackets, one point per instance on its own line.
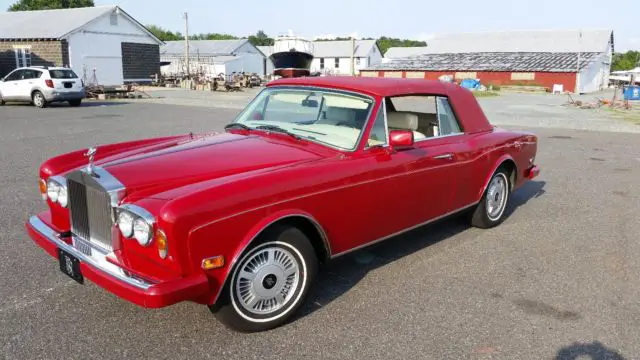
[401, 139]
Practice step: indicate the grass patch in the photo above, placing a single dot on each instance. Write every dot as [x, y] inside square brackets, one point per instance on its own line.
[485, 93]
[632, 115]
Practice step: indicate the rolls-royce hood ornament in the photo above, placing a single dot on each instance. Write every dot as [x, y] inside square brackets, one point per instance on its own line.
[91, 152]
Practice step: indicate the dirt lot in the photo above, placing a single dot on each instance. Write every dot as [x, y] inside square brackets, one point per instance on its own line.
[558, 279]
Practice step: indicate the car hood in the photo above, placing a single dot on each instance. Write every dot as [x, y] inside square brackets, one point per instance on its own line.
[169, 166]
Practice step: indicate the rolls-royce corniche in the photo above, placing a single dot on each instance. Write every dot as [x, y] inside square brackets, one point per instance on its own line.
[313, 168]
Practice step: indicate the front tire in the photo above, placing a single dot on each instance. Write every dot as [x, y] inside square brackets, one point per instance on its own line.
[269, 282]
[38, 99]
[490, 210]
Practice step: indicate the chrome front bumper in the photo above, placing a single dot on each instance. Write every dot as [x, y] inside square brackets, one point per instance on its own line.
[97, 258]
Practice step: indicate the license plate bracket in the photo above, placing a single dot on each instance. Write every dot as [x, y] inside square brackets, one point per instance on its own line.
[70, 265]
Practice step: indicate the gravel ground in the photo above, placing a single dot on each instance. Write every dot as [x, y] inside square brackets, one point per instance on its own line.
[559, 278]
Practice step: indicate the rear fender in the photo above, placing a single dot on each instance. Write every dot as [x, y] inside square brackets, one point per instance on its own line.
[498, 163]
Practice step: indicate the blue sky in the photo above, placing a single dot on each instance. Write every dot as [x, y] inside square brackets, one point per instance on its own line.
[416, 19]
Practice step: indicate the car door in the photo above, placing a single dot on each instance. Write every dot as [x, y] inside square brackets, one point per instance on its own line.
[26, 84]
[412, 186]
[11, 85]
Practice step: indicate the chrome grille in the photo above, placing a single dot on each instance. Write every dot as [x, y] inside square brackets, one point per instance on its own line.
[90, 210]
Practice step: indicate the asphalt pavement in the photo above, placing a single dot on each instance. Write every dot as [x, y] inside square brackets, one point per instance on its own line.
[558, 279]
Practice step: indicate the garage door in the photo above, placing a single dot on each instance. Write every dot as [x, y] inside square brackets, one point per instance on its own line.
[140, 62]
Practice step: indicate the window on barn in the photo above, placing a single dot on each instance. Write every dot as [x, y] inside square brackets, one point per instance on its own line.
[321, 63]
[114, 19]
[337, 63]
[357, 61]
[23, 57]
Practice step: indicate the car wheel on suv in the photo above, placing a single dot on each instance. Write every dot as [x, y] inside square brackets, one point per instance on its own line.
[38, 99]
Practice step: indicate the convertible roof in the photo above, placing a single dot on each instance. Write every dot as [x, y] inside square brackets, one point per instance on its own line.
[464, 103]
[377, 86]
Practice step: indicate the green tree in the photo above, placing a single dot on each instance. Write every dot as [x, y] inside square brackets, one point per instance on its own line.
[27, 5]
[625, 61]
[163, 34]
[384, 43]
[260, 39]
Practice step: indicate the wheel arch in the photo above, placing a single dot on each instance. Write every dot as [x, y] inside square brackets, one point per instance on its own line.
[507, 162]
[299, 219]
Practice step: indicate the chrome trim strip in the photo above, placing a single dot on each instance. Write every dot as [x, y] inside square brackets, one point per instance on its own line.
[403, 231]
[139, 212]
[237, 256]
[112, 185]
[52, 236]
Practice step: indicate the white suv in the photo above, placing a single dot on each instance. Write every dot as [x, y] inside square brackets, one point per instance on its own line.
[41, 85]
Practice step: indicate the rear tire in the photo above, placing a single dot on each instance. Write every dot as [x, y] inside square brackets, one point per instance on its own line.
[1, 100]
[38, 99]
[75, 102]
[490, 210]
[269, 282]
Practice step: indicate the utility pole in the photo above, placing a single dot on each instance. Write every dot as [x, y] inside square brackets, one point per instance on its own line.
[353, 51]
[186, 44]
[578, 64]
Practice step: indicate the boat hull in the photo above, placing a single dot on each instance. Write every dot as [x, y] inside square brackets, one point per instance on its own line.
[291, 63]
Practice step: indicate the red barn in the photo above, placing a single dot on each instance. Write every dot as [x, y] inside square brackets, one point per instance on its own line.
[577, 60]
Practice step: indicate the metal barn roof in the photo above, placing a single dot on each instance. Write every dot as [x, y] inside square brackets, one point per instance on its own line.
[492, 61]
[547, 41]
[53, 24]
[203, 47]
[266, 50]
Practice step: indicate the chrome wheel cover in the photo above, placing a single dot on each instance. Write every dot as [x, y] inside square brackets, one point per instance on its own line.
[267, 280]
[497, 194]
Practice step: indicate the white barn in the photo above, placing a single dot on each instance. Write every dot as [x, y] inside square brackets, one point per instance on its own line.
[334, 57]
[101, 40]
[212, 57]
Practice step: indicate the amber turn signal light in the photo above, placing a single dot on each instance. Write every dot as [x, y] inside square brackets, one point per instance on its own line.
[213, 262]
[161, 242]
[42, 184]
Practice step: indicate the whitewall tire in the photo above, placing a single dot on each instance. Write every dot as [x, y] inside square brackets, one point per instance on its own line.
[269, 281]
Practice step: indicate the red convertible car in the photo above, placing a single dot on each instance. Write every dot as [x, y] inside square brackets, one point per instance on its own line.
[313, 168]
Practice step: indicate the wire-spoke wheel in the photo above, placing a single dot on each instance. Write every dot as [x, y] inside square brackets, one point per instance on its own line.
[490, 211]
[269, 281]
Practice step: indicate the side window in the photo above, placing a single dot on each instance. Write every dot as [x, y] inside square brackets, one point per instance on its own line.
[378, 135]
[447, 122]
[16, 75]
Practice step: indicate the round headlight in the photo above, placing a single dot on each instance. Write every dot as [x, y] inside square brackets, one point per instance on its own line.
[63, 199]
[142, 232]
[53, 189]
[125, 223]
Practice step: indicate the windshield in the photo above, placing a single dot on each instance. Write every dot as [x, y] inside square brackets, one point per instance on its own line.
[329, 117]
[62, 74]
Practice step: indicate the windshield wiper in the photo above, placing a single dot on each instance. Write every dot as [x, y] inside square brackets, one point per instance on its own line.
[237, 125]
[278, 129]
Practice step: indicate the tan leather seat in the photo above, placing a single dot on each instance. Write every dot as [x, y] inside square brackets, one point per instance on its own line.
[334, 115]
[406, 121]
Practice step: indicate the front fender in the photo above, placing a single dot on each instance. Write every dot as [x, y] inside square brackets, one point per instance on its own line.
[230, 237]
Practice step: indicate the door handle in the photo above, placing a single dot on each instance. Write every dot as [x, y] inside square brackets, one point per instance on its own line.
[448, 156]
